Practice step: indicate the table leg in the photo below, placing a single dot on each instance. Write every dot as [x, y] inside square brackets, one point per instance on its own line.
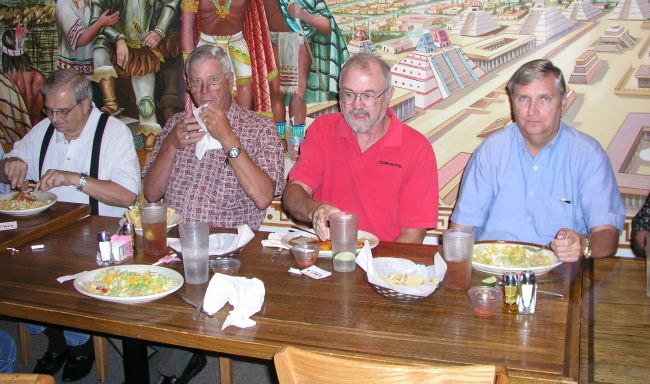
[135, 360]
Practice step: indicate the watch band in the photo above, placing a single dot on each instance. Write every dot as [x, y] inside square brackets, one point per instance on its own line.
[83, 179]
[586, 247]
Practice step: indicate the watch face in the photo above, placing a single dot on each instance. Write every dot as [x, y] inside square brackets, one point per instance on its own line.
[234, 152]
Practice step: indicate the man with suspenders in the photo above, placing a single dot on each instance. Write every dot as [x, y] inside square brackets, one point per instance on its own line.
[82, 156]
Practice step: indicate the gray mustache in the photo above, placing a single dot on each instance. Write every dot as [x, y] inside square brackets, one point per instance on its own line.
[360, 112]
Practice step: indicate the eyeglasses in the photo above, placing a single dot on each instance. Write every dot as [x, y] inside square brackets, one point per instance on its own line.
[63, 112]
[212, 83]
[368, 98]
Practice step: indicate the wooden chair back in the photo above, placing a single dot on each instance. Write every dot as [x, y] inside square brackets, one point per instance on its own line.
[25, 378]
[294, 365]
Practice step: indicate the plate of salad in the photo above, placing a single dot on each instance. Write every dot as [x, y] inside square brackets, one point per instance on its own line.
[498, 257]
[129, 284]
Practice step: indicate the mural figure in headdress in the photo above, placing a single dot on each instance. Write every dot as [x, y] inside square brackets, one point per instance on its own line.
[310, 51]
[138, 44]
[17, 64]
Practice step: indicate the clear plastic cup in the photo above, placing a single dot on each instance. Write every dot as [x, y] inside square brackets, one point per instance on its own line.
[154, 228]
[344, 227]
[457, 250]
[195, 247]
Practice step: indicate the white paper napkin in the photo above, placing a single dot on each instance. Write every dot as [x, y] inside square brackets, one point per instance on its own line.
[207, 142]
[245, 295]
[275, 241]
[221, 243]
[383, 266]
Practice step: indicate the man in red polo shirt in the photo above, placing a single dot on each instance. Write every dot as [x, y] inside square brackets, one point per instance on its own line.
[364, 160]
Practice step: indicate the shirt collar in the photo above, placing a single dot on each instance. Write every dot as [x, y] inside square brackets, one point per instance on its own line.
[548, 147]
[392, 137]
[86, 134]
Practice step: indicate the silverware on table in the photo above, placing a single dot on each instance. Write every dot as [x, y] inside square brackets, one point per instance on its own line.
[277, 253]
[556, 294]
[198, 308]
[304, 230]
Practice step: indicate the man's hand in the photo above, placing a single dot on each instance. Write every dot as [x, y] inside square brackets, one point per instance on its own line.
[320, 216]
[121, 53]
[151, 39]
[567, 245]
[215, 115]
[16, 171]
[56, 178]
[185, 132]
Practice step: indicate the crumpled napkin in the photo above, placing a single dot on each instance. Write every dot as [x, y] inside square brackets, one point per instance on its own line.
[275, 241]
[245, 295]
[207, 142]
[221, 243]
[383, 266]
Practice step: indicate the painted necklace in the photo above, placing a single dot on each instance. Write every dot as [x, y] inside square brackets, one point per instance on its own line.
[222, 10]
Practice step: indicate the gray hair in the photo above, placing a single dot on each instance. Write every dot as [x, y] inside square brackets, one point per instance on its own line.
[207, 52]
[77, 80]
[363, 61]
[536, 70]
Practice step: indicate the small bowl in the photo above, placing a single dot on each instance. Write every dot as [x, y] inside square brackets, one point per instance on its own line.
[305, 254]
[485, 300]
[226, 266]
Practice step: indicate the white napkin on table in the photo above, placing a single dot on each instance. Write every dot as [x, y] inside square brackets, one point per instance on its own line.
[245, 295]
[275, 241]
[383, 266]
[221, 243]
[207, 142]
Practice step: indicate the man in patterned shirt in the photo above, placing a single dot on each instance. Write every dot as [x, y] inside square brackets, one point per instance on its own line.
[229, 186]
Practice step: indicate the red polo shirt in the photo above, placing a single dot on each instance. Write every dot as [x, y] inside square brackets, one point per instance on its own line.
[392, 185]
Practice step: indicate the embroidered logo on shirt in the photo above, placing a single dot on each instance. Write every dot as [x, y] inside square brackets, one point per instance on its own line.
[382, 162]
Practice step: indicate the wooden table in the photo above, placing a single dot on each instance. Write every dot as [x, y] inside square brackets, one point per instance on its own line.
[615, 342]
[341, 313]
[30, 228]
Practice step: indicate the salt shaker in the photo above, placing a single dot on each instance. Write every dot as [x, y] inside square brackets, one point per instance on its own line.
[527, 293]
[104, 255]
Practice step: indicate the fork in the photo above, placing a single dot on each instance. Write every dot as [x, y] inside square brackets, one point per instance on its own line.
[198, 309]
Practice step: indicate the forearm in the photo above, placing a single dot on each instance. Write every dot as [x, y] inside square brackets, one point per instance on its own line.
[411, 235]
[257, 185]
[89, 34]
[109, 192]
[299, 203]
[157, 176]
[453, 225]
[604, 241]
[3, 174]
[318, 22]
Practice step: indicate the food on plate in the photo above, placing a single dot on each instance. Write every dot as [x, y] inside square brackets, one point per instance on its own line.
[132, 215]
[118, 283]
[511, 255]
[23, 200]
[323, 245]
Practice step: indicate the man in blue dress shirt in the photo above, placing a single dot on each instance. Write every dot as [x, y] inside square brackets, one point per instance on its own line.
[540, 180]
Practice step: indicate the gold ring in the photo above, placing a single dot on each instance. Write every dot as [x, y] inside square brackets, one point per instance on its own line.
[187, 137]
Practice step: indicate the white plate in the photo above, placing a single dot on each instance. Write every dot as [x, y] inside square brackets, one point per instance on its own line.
[173, 221]
[286, 240]
[90, 276]
[40, 195]
[499, 269]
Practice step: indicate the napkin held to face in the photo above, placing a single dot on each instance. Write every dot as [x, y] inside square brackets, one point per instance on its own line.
[207, 142]
[245, 295]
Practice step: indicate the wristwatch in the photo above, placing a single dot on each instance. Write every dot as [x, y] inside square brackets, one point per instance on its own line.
[233, 153]
[586, 247]
[83, 179]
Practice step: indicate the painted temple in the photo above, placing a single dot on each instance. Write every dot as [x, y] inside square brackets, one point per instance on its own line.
[631, 10]
[544, 23]
[475, 22]
[582, 10]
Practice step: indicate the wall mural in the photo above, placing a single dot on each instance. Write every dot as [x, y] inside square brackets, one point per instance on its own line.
[450, 61]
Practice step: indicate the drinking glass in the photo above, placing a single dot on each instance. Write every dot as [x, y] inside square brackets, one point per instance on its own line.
[154, 228]
[343, 234]
[195, 249]
[457, 250]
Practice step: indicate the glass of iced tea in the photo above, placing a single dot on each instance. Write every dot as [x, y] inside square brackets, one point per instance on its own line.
[457, 251]
[154, 228]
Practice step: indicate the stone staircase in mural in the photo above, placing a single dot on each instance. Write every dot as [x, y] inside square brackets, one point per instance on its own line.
[445, 71]
[459, 65]
[529, 26]
[471, 19]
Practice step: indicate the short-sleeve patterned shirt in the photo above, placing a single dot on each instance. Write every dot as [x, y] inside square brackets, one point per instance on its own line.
[207, 190]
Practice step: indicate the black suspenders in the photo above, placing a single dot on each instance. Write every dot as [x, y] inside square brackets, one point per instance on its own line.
[94, 157]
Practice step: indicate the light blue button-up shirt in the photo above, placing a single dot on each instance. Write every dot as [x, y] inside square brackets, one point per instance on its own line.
[506, 194]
